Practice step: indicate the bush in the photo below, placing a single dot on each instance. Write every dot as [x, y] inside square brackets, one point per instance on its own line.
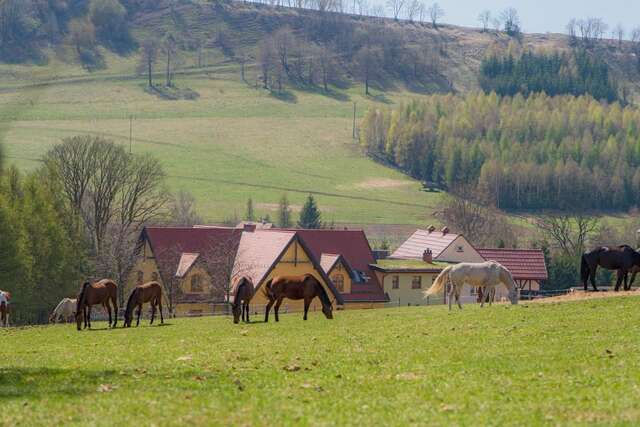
[110, 20]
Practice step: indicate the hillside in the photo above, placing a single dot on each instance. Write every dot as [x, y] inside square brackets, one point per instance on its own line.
[236, 140]
[563, 363]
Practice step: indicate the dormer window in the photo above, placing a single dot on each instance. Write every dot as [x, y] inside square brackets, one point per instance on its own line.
[460, 248]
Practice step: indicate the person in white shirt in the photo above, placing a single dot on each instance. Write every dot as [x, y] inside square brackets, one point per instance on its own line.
[4, 308]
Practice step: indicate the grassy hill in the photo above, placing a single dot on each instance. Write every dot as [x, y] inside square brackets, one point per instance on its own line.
[236, 140]
[567, 363]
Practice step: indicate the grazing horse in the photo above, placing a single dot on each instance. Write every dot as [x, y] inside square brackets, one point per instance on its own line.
[4, 308]
[622, 258]
[65, 310]
[304, 288]
[150, 292]
[243, 294]
[485, 274]
[102, 293]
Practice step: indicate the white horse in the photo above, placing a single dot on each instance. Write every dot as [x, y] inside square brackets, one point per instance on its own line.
[65, 310]
[485, 274]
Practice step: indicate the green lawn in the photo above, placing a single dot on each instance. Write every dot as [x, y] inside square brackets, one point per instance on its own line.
[568, 363]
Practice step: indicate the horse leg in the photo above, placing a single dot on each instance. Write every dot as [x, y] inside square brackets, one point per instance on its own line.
[451, 293]
[139, 313]
[458, 298]
[619, 280]
[89, 316]
[107, 306]
[626, 280]
[277, 307]
[633, 279]
[114, 301]
[245, 309]
[160, 309]
[267, 309]
[307, 303]
[592, 278]
[153, 312]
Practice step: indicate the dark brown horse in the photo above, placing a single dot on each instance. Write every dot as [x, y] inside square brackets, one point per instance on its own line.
[243, 294]
[105, 293]
[619, 258]
[149, 292]
[304, 288]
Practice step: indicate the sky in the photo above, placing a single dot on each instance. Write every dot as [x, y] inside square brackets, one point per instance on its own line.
[543, 16]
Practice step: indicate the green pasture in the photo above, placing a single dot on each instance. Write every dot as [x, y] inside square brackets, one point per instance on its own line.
[566, 363]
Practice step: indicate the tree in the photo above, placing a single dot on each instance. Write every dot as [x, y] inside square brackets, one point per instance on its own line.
[82, 33]
[413, 10]
[182, 210]
[249, 214]
[284, 212]
[327, 66]
[367, 62]
[435, 13]
[170, 49]
[310, 216]
[395, 6]
[266, 59]
[619, 33]
[511, 21]
[110, 20]
[485, 19]
[148, 58]
[568, 232]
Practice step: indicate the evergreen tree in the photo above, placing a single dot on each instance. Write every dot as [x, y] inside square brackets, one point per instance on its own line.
[249, 213]
[310, 216]
[284, 212]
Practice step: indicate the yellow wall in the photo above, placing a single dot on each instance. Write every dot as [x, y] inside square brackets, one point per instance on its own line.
[147, 264]
[339, 269]
[405, 294]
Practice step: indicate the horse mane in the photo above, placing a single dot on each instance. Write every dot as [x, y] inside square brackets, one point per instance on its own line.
[129, 309]
[81, 297]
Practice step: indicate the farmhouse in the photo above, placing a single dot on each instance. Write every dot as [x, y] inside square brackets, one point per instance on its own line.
[198, 266]
[417, 262]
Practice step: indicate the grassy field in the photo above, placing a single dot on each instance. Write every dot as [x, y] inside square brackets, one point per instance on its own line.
[234, 142]
[563, 363]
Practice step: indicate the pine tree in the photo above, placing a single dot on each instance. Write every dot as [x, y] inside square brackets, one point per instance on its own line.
[310, 216]
[284, 212]
[249, 214]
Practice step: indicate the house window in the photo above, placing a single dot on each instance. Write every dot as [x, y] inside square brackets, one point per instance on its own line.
[196, 283]
[338, 280]
[140, 277]
[395, 282]
[154, 276]
[416, 283]
[460, 248]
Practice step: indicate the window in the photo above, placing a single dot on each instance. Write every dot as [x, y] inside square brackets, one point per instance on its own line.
[416, 283]
[338, 280]
[154, 276]
[196, 283]
[140, 278]
[395, 282]
[460, 248]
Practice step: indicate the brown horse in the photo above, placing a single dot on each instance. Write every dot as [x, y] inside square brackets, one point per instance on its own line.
[102, 293]
[243, 295]
[4, 308]
[304, 287]
[149, 292]
[620, 258]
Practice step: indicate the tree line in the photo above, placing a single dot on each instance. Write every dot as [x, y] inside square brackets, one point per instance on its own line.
[575, 73]
[539, 152]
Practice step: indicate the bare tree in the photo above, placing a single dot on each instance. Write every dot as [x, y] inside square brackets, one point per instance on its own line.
[485, 18]
[395, 6]
[568, 232]
[170, 49]
[148, 58]
[619, 34]
[435, 13]
[511, 21]
[327, 67]
[182, 210]
[266, 59]
[367, 61]
[497, 23]
[571, 31]
[242, 59]
[413, 9]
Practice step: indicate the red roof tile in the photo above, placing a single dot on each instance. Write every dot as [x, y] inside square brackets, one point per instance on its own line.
[420, 240]
[524, 264]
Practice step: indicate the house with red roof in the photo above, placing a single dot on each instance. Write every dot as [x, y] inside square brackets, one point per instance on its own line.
[527, 266]
[198, 266]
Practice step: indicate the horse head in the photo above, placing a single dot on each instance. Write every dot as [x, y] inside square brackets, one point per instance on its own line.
[328, 311]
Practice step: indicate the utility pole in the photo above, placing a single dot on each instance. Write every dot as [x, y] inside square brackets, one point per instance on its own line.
[130, 132]
[353, 133]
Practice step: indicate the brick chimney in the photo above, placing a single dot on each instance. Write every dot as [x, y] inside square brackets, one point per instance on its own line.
[431, 229]
[427, 256]
[445, 230]
[250, 228]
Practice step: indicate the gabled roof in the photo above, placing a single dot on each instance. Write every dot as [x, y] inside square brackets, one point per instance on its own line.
[187, 260]
[524, 264]
[329, 261]
[354, 247]
[258, 251]
[420, 240]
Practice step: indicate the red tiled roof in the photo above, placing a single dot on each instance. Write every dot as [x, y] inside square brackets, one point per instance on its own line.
[258, 251]
[524, 264]
[327, 261]
[420, 240]
[354, 247]
[186, 261]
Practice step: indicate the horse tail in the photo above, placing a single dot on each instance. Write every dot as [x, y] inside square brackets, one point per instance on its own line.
[584, 269]
[439, 283]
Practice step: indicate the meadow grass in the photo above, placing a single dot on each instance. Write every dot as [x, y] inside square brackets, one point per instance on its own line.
[563, 363]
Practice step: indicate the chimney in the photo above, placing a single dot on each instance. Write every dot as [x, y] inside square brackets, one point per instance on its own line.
[445, 230]
[250, 228]
[427, 256]
[431, 229]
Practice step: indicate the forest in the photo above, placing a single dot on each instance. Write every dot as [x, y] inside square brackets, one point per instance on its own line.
[540, 152]
[576, 73]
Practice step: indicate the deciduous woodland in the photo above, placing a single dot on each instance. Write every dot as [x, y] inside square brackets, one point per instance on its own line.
[538, 152]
